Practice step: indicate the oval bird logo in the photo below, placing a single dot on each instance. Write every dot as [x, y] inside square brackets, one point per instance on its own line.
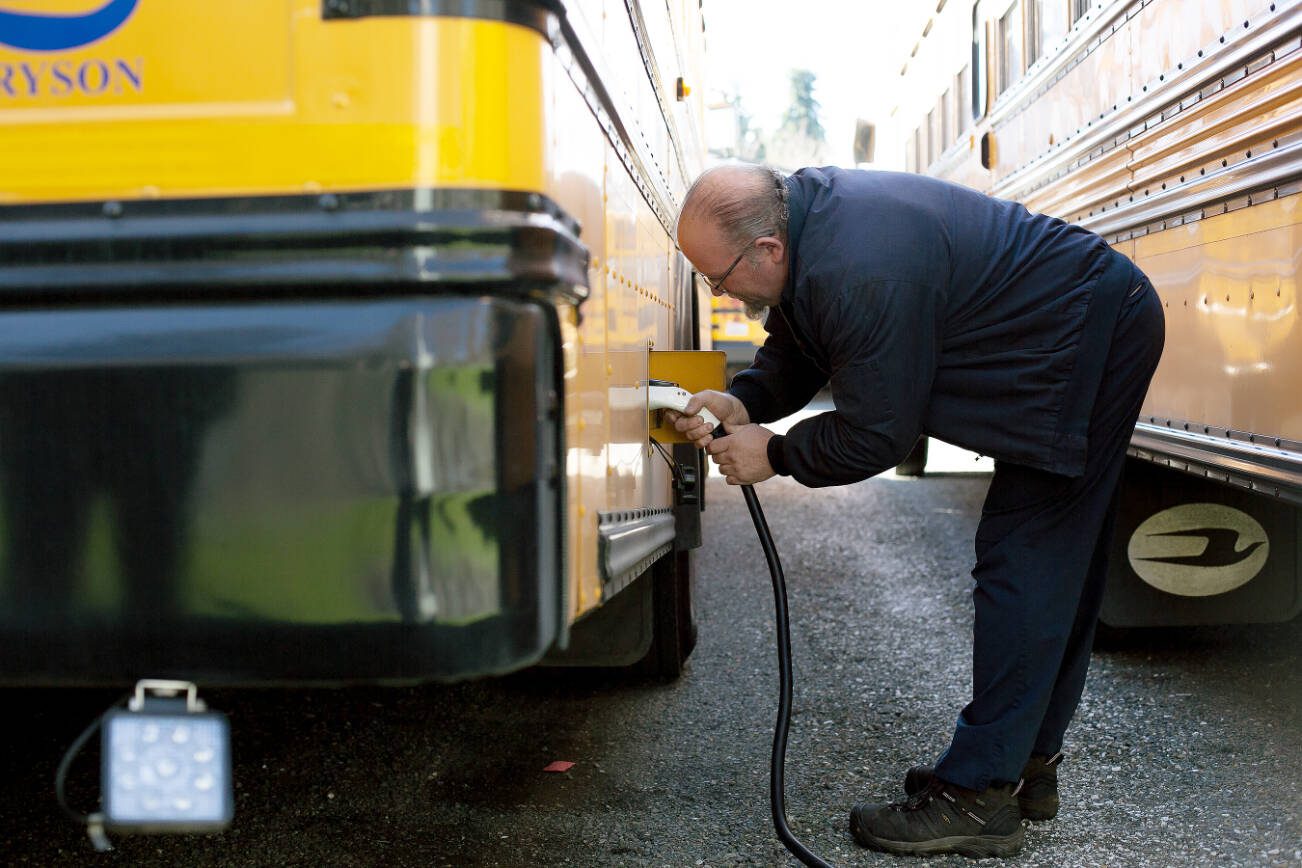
[1198, 549]
[34, 31]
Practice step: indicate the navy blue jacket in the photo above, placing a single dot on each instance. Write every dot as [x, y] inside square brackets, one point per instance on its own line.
[933, 309]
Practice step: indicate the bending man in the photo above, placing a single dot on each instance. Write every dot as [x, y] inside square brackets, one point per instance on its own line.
[931, 309]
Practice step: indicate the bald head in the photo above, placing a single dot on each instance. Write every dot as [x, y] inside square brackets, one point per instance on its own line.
[741, 202]
[733, 229]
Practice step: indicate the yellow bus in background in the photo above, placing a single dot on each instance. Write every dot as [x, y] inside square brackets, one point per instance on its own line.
[1173, 128]
[327, 328]
[734, 333]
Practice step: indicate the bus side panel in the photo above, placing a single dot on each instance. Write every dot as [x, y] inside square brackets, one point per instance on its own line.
[638, 298]
[1027, 129]
[1234, 332]
[578, 183]
[1181, 28]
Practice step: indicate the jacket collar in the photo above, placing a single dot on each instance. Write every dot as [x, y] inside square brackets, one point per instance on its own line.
[797, 207]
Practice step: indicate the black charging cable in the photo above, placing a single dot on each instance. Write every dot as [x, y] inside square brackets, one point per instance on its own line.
[777, 798]
[778, 760]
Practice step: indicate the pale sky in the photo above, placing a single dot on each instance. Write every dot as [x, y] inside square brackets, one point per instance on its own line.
[854, 47]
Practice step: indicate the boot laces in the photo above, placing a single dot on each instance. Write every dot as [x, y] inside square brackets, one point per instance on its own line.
[921, 798]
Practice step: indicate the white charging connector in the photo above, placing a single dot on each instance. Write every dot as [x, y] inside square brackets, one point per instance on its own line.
[662, 396]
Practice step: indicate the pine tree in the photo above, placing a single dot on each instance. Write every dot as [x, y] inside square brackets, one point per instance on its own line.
[802, 117]
[801, 139]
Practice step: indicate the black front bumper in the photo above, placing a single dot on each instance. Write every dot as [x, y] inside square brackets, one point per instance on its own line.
[320, 491]
[333, 457]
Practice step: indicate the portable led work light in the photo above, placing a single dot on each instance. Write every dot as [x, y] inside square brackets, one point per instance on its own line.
[166, 762]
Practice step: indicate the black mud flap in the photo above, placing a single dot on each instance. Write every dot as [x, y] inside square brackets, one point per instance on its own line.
[1190, 551]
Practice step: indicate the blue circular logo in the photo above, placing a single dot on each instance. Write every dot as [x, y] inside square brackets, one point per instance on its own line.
[36, 32]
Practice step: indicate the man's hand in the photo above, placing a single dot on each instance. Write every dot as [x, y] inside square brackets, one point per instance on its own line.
[726, 408]
[743, 456]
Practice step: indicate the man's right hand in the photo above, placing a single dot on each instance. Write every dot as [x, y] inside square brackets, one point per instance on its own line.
[728, 409]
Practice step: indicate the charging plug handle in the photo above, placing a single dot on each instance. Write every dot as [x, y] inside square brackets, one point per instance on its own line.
[662, 395]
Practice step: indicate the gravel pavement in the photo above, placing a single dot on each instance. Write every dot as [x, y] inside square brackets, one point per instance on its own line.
[1187, 749]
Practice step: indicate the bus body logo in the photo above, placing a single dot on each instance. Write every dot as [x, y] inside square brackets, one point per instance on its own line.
[1198, 549]
[30, 31]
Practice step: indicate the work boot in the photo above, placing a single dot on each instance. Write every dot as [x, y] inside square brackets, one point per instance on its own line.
[1038, 798]
[943, 818]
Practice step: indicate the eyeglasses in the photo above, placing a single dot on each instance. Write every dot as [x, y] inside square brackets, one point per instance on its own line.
[716, 285]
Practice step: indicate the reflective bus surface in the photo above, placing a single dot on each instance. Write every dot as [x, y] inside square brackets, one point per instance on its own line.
[328, 328]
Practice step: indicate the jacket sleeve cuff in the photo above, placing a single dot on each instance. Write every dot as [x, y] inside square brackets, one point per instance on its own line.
[777, 455]
[758, 402]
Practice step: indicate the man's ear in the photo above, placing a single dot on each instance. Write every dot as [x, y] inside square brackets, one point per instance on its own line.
[772, 247]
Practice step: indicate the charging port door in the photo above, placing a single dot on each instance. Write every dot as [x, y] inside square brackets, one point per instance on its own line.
[693, 370]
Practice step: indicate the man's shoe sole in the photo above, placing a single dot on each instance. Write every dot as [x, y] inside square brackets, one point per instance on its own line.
[972, 846]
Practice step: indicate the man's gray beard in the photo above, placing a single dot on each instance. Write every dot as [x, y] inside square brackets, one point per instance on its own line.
[757, 312]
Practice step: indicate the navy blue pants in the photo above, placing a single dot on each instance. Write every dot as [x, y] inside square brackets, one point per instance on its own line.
[1042, 558]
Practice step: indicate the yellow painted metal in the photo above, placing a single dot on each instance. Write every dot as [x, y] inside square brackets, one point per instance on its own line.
[693, 370]
[1229, 287]
[634, 302]
[195, 98]
[1225, 124]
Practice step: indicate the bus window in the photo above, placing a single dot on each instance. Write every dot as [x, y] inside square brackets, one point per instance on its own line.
[948, 132]
[933, 136]
[1010, 48]
[978, 77]
[1052, 15]
[1078, 10]
[963, 86]
[1034, 42]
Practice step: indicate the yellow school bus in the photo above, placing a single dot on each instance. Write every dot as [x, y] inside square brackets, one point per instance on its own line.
[733, 333]
[1173, 128]
[327, 329]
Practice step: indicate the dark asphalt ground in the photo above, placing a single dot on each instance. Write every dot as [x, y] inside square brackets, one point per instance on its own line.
[1187, 749]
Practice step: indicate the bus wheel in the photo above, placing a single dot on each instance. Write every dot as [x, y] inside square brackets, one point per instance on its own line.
[674, 631]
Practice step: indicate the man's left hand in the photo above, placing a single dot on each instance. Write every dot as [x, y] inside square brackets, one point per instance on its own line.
[743, 455]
